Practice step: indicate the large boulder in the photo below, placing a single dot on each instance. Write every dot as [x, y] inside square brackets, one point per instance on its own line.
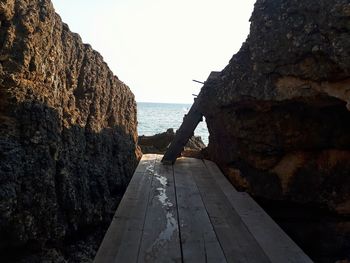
[279, 124]
[279, 121]
[67, 133]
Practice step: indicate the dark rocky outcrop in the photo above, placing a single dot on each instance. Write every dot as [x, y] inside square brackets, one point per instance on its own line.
[279, 124]
[159, 143]
[67, 137]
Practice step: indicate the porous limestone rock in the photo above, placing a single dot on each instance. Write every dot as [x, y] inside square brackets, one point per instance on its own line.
[68, 138]
[279, 124]
[279, 121]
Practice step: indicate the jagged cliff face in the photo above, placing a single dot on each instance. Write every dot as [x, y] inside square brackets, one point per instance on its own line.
[280, 124]
[67, 131]
[278, 114]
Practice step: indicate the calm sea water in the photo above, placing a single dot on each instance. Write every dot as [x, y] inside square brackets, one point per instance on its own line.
[158, 117]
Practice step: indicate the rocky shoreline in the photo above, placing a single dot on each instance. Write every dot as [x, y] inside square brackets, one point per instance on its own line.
[159, 143]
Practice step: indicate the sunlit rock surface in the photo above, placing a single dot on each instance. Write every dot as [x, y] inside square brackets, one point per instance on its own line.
[278, 114]
[67, 137]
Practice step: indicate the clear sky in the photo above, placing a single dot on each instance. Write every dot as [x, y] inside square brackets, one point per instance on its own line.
[157, 47]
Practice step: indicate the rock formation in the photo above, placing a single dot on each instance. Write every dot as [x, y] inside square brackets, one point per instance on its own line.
[159, 143]
[67, 134]
[280, 123]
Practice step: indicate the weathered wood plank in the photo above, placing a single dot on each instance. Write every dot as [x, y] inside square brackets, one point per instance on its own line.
[160, 239]
[275, 243]
[122, 240]
[198, 240]
[183, 134]
[237, 242]
[189, 212]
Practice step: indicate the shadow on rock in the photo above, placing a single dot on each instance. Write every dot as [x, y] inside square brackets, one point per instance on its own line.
[59, 186]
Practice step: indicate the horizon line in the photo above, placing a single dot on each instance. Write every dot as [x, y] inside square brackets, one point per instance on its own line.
[163, 102]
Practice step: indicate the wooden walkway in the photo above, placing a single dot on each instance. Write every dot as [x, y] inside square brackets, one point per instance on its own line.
[189, 212]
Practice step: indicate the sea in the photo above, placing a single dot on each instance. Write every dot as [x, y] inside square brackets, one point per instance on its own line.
[156, 118]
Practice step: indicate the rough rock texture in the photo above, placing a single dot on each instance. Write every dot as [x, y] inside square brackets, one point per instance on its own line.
[67, 133]
[159, 143]
[280, 112]
[280, 123]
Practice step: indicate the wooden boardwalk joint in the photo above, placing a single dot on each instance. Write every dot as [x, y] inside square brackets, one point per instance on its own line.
[189, 212]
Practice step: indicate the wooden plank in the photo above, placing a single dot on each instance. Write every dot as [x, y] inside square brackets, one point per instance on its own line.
[276, 244]
[237, 242]
[122, 240]
[160, 239]
[198, 240]
[183, 134]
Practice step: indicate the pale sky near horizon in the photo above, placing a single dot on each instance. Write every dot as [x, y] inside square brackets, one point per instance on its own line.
[157, 47]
